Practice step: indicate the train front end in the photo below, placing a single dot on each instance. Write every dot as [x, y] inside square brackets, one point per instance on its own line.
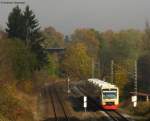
[109, 97]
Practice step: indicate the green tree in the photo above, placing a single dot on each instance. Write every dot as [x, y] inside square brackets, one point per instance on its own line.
[25, 26]
[144, 62]
[34, 38]
[53, 65]
[16, 60]
[104, 58]
[124, 48]
[15, 23]
[143, 73]
[23, 60]
[146, 45]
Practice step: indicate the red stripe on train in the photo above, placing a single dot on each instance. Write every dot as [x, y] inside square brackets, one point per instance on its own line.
[110, 107]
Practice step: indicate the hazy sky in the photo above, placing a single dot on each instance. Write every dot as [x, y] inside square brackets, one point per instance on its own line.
[66, 15]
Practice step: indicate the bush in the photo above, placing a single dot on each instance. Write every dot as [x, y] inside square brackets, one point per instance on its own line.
[16, 60]
[143, 108]
[12, 108]
[23, 60]
[39, 78]
[26, 86]
[2, 118]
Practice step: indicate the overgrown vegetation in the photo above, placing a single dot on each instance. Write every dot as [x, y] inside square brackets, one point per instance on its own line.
[11, 107]
[142, 110]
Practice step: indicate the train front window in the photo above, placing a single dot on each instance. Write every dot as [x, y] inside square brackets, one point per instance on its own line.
[109, 95]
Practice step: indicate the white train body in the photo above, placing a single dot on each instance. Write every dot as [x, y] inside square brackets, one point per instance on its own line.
[108, 94]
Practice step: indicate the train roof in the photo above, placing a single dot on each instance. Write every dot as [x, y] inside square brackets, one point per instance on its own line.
[101, 83]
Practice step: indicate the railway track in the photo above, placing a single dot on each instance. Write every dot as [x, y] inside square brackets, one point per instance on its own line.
[113, 115]
[46, 109]
[116, 116]
[60, 114]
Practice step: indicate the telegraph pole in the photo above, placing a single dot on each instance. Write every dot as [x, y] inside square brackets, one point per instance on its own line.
[93, 68]
[135, 83]
[112, 71]
[135, 97]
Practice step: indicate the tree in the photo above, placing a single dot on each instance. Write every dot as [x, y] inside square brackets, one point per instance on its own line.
[90, 38]
[23, 60]
[127, 45]
[124, 47]
[5, 61]
[144, 62]
[108, 35]
[121, 78]
[53, 65]
[143, 73]
[34, 38]
[104, 58]
[146, 44]
[16, 60]
[25, 26]
[53, 39]
[77, 63]
[15, 25]
[66, 39]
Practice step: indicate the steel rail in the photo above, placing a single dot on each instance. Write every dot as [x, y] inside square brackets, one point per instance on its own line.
[62, 105]
[52, 101]
[54, 95]
[111, 116]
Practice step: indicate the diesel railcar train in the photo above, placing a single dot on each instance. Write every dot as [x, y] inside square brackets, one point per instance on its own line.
[108, 94]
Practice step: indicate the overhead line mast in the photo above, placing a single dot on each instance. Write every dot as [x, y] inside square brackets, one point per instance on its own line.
[135, 83]
[112, 71]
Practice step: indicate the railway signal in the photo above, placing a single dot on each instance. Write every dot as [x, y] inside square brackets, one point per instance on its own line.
[68, 85]
[85, 103]
[134, 100]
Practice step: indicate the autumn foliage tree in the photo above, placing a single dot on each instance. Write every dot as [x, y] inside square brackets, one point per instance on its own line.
[77, 63]
[123, 47]
[89, 38]
[121, 78]
[53, 38]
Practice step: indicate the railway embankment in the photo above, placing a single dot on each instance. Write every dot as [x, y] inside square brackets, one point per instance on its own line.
[139, 113]
[16, 105]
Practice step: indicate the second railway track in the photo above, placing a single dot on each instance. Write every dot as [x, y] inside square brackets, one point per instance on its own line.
[60, 113]
[116, 116]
